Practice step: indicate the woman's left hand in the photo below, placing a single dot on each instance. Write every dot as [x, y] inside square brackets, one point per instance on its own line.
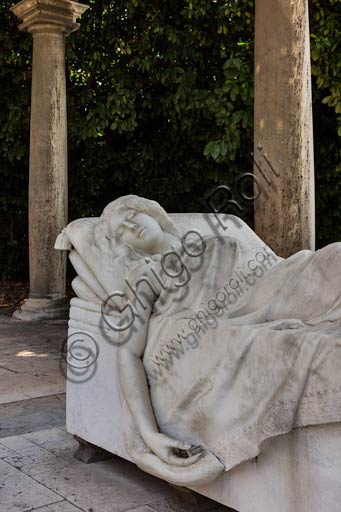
[173, 451]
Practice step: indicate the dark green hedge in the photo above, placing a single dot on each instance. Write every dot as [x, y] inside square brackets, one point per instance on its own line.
[160, 103]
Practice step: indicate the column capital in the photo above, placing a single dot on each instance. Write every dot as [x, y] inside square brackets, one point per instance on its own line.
[56, 16]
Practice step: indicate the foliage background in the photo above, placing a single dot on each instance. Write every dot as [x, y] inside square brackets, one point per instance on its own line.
[160, 103]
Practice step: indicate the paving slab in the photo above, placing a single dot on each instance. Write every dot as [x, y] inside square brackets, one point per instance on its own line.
[195, 504]
[57, 441]
[30, 415]
[109, 486]
[18, 444]
[44, 438]
[5, 452]
[20, 493]
[19, 386]
[37, 461]
[31, 458]
[142, 509]
[30, 359]
[62, 506]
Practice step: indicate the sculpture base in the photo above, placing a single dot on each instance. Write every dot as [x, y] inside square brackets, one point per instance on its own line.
[301, 468]
[39, 310]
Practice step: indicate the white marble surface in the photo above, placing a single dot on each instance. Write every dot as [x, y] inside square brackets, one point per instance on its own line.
[288, 464]
[295, 472]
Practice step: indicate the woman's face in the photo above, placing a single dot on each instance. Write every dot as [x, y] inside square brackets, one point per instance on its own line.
[139, 230]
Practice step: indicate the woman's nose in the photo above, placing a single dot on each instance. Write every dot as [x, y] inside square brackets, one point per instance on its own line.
[132, 225]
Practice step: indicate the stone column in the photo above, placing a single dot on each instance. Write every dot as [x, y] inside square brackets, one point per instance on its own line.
[283, 138]
[49, 21]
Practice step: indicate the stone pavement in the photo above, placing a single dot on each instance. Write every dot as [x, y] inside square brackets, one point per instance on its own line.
[30, 359]
[37, 469]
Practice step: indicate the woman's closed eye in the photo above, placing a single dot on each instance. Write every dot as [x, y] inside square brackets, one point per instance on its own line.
[130, 216]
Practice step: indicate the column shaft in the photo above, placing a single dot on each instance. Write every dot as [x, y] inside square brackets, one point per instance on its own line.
[48, 166]
[283, 138]
[49, 22]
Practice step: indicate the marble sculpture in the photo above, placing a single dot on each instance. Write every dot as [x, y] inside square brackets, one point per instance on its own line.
[219, 346]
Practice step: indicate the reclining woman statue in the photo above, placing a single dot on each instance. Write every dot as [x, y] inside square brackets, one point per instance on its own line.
[220, 347]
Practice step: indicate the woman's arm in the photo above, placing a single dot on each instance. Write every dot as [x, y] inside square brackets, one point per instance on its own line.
[134, 386]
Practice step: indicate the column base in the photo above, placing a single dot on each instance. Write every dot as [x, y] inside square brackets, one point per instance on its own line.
[38, 310]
